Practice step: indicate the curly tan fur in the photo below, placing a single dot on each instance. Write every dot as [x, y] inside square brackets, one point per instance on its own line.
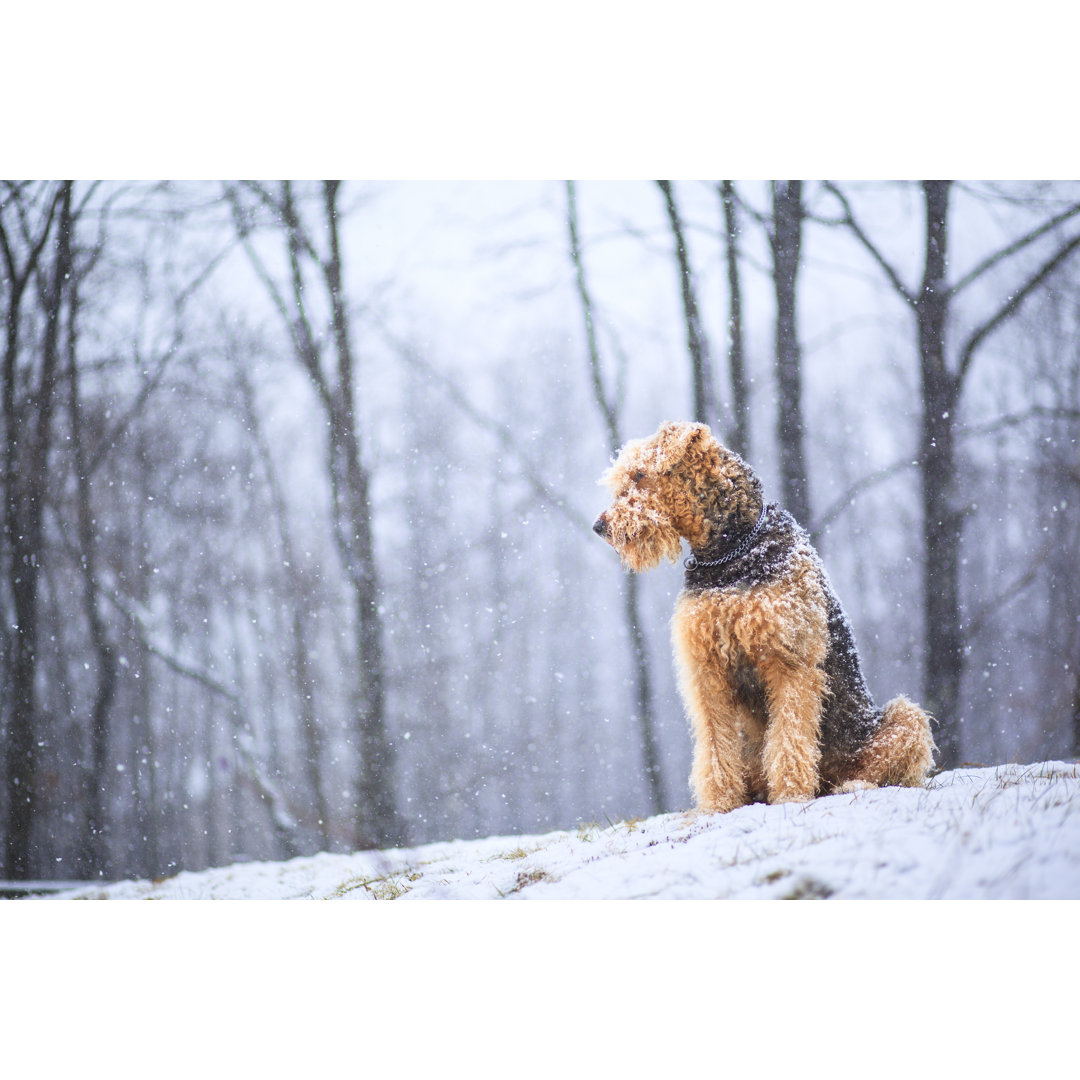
[767, 666]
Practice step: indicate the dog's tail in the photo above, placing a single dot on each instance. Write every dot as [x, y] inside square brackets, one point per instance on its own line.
[901, 753]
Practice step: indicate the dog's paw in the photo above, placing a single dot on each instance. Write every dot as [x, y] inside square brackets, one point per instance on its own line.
[790, 795]
[849, 786]
[721, 805]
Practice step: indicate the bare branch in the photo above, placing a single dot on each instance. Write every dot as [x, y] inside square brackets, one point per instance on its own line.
[872, 480]
[19, 280]
[1013, 303]
[1011, 591]
[1017, 245]
[110, 438]
[1036, 412]
[284, 823]
[604, 403]
[857, 489]
[308, 351]
[529, 472]
[705, 405]
[752, 211]
[853, 225]
[286, 212]
[302, 338]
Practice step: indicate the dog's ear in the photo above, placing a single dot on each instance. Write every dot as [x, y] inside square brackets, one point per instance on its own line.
[676, 441]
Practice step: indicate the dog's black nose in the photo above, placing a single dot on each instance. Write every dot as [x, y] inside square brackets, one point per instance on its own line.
[600, 526]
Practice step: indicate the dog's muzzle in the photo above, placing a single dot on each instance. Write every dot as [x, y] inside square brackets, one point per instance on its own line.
[600, 526]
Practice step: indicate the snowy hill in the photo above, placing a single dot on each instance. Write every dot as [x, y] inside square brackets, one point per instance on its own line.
[1010, 832]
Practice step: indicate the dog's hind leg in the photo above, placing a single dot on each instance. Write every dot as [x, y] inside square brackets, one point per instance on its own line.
[901, 751]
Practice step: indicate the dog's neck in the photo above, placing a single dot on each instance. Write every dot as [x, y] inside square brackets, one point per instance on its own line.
[727, 541]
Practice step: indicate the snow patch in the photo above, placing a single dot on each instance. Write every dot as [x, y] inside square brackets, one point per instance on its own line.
[1008, 832]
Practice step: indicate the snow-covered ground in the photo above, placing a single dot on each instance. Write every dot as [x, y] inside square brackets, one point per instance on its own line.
[1009, 832]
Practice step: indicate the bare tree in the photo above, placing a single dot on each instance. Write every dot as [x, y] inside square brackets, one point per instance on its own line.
[609, 407]
[302, 667]
[739, 437]
[1049, 331]
[94, 857]
[697, 343]
[314, 272]
[30, 216]
[942, 382]
[785, 242]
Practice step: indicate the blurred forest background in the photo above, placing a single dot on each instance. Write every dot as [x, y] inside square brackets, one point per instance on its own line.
[297, 484]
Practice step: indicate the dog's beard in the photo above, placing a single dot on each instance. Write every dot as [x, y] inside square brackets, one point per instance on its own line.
[643, 542]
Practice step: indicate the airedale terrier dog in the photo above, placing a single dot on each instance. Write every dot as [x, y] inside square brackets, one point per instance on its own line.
[768, 668]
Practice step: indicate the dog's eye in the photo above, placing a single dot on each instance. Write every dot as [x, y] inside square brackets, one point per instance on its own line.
[638, 476]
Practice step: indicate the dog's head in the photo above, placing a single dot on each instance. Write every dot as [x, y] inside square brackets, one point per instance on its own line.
[677, 484]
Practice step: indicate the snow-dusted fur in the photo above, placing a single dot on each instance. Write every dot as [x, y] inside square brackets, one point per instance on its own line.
[768, 668]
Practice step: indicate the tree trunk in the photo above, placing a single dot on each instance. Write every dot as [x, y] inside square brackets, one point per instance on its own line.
[643, 694]
[1076, 712]
[379, 822]
[697, 345]
[94, 856]
[302, 669]
[786, 242]
[739, 437]
[942, 515]
[29, 438]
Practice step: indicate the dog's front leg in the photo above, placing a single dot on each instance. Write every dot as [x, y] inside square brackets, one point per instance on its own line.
[718, 777]
[792, 749]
